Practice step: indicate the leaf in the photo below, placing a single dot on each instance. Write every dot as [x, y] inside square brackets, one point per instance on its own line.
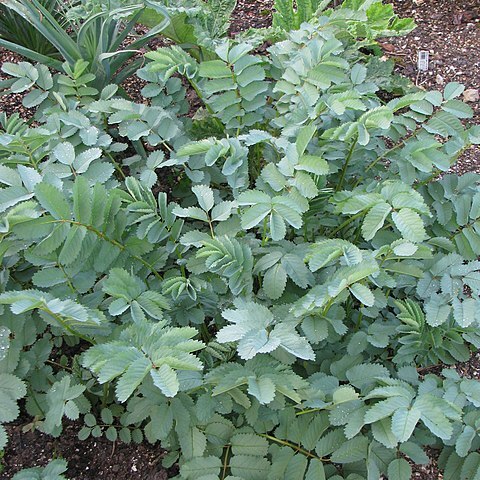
[410, 225]
[275, 281]
[385, 408]
[351, 451]
[64, 153]
[84, 159]
[404, 421]
[363, 294]
[464, 441]
[399, 469]
[313, 164]
[3, 437]
[166, 380]
[315, 471]
[453, 90]
[249, 444]
[52, 200]
[263, 389]
[11, 390]
[248, 467]
[196, 468]
[204, 196]
[375, 219]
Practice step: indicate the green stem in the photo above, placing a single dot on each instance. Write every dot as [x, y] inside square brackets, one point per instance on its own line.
[67, 327]
[345, 165]
[346, 223]
[225, 462]
[116, 165]
[294, 447]
[111, 241]
[264, 234]
[209, 109]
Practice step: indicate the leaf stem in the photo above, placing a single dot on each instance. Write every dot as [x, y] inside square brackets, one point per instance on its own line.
[345, 165]
[294, 447]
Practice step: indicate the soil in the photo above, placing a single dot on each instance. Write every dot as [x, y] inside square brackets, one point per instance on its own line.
[450, 32]
[90, 459]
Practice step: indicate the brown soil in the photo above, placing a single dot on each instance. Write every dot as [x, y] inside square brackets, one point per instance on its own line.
[93, 458]
[450, 32]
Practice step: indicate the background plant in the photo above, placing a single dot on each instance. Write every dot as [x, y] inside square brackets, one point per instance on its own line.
[271, 317]
[56, 33]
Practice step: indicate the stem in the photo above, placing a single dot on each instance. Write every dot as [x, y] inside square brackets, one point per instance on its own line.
[116, 165]
[386, 153]
[113, 242]
[345, 165]
[67, 327]
[211, 229]
[51, 362]
[225, 462]
[264, 234]
[209, 109]
[294, 447]
[346, 223]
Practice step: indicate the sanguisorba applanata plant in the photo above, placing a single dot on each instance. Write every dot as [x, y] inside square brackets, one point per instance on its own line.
[277, 314]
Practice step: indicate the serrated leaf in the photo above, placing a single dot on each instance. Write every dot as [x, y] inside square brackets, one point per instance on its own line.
[263, 389]
[399, 469]
[410, 225]
[363, 294]
[375, 219]
[351, 451]
[64, 153]
[404, 421]
[52, 200]
[165, 378]
[275, 281]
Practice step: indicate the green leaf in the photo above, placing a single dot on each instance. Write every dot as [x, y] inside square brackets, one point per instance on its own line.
[410, 225]
[315, 471]
[275, 281]
[453, 90]
[52, 200]
[313, 164]
[263, 389]
[201, 466]
[64, 153]
[204, 196]
[249, 467]
[363, 294]
[353, 450]
[404, 421]
[214, 69]
[249, 444]
[464, 441]
[375, 219]
[399, 469]
[166, 380]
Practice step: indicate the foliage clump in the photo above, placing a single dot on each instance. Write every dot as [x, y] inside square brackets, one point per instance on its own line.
[277, 314]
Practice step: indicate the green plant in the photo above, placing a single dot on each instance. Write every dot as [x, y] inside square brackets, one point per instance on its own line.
[268, 320]
[15, 29]
[195, 25]
[96, 39]
[365, 18]
[53, 471]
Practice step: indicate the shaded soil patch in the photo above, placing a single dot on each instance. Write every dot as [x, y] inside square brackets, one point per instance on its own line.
[93, 458]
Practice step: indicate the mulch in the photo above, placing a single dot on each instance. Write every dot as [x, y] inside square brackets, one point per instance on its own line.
[450, 32]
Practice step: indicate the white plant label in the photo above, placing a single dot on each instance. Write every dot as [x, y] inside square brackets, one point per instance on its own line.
[423, 57]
